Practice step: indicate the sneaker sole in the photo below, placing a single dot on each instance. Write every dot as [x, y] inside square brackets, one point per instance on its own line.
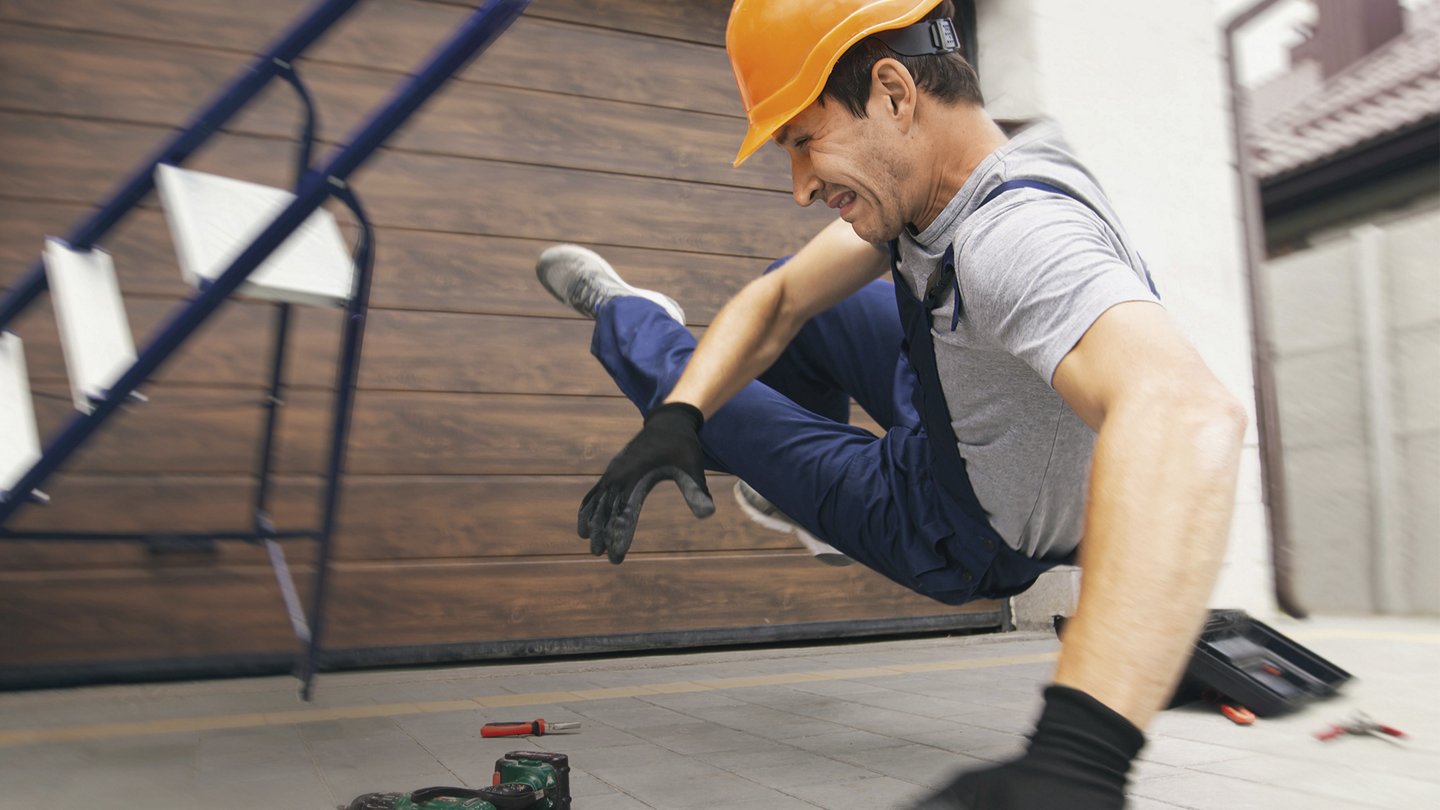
[666, 302]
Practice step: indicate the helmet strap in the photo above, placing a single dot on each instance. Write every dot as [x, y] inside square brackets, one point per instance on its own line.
[922, 38]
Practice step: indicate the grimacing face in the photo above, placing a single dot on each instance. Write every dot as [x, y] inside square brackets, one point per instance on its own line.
[853, 165]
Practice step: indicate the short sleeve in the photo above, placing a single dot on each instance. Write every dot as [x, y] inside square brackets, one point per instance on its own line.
[1034, 273]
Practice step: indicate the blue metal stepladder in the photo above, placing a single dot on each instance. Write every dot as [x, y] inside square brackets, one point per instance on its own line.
[272, 244]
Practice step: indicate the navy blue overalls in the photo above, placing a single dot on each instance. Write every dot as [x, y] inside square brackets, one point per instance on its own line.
[901, 504]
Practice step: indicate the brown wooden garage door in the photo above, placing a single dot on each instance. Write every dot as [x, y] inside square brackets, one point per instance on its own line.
[481, 418]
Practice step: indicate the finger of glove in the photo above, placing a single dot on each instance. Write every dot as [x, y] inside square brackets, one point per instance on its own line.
[605, 505]
[588, 505]
[621, 528]
[697, 495]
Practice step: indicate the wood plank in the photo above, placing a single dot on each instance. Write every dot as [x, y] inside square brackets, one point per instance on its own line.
[183, 429]
[417, 191]
[67, 160]
[700, 21]
[415, 269]
[395, 35]
[496, 274]
[247, 28]
[232, 349]
[149, 83]
[159, 503]
[213, 430]
[56, 618]
[419, 351]
[63, 617]
[398, 433]
[144, 254]
[384, 518]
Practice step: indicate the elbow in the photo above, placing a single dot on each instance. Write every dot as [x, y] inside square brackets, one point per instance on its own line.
[1216, 423]
[1227, 418]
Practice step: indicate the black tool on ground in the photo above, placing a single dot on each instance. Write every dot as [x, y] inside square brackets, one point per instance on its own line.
[1361, 724]
[494, 797]
[523, 780]
[1253, 665]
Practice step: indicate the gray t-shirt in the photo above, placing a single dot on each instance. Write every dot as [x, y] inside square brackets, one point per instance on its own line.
[1035, 269]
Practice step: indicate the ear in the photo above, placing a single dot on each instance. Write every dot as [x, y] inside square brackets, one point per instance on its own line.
[892, 93]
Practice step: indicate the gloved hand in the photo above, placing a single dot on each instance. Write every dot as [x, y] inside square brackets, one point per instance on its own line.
[668, 447]
[1078, 759]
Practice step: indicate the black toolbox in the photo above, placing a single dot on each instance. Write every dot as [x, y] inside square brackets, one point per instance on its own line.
[1251, 664]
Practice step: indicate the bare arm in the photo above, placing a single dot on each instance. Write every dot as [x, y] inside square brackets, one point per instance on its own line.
[1162, 486]
[755, 326]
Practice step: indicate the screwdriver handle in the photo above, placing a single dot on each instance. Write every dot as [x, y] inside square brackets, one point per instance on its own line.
[513, 729]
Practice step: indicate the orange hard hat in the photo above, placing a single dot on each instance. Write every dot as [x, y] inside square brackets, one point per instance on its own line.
[782, 51]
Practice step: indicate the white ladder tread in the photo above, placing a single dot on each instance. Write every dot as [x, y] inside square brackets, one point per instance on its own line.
[19, 439]
[94, 331]
[214, 218]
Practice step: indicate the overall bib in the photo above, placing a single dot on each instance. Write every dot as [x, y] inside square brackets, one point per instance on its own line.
[1007, 571]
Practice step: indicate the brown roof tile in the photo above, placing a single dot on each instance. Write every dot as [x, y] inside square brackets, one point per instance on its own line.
[1394, 88]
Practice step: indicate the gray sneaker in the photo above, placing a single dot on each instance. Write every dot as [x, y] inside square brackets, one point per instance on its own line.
[769, 515]
[578, 277]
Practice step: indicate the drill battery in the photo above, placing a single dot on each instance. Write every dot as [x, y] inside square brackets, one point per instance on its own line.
[545, 771]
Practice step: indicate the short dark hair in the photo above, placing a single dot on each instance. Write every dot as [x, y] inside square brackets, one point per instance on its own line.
[948, 77]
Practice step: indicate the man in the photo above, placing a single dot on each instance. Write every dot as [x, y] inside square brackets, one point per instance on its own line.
[1037, 401]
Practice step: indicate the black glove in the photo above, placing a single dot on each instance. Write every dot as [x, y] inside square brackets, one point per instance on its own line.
[1078, 759]
[668, 447]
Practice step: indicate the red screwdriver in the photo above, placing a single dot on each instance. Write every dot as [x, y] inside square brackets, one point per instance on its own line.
[534, 728]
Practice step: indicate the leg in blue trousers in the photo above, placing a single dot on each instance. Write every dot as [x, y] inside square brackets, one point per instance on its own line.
[872, 498]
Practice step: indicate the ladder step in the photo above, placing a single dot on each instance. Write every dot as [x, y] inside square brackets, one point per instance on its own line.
[94, 331]
[19, 439]
[214, 218]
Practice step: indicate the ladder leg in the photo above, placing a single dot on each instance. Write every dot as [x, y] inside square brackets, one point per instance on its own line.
[273, 402]
[346, 377]
[264, 524]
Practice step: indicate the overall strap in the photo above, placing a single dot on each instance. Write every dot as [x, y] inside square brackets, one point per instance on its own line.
[1041, 185]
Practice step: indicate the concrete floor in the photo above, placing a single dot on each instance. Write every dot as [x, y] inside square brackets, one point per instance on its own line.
[844, 727]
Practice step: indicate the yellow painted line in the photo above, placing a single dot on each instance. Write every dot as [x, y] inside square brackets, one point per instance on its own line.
[980, 663]
[99, 731]
[676, 688]
[499, 701]
[613, 692]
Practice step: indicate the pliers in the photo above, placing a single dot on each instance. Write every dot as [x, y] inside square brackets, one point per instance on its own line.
[1361, 723]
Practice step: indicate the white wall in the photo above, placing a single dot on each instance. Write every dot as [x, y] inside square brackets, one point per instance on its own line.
[1138, 88]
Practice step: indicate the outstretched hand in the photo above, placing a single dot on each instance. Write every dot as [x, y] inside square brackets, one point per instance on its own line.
[668, 447]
